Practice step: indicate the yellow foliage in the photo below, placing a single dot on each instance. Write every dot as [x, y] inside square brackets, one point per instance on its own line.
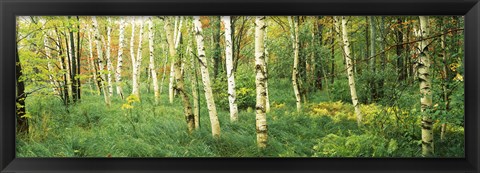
[244, 91]
[321, 111]
[132, 99]
[27, 116]
[127, 106]
[459, 77]
[278, 106]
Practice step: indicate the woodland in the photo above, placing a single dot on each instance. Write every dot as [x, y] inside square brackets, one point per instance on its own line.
[239, 86]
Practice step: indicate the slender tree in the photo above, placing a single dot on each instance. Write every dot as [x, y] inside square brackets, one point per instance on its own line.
[230, 74]
[180, 87]
[136, 62]
[423, 69]
[100, 61]
[215, 124]
[373, 58]
[121, 44]
[108, 52]
[295, 43]
[73, 73]
[92, 63]
[260, 69]
[22, 121]
[348, 60]
[152, 61]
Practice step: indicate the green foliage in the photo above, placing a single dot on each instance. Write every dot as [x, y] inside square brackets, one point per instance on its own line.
[365, 145]
[245, 90]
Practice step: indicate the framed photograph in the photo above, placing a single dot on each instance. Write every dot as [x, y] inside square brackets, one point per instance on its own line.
[239, 86]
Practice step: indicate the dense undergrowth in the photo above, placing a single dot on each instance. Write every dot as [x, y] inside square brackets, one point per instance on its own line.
[323, 128]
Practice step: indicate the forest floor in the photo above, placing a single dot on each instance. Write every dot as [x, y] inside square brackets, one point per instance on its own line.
[323, 128]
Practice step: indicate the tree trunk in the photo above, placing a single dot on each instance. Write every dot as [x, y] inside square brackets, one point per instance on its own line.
[63, 67]
[350, 74]
[423, 70]
[109, 62]
[260, 79]
[121, 44]
[152, 62]
[92, 63]
[195, 88]
[232, 96]
[49, 65]
[172, 52]
[217, 50]
[74, 65]
[373, 59]
[294, 36]
[179, 86]
[332, 54]
[79, 46]
[22, 121]
[164, 67]
[383, 57]
[206, 78]
[68, 69]
[100, 61]
[445, 81]
[265, 46]
[136, 62]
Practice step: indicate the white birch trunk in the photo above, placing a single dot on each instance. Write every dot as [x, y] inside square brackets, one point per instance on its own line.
[260, 69]
[232, 96]
[215, 124]
[152, 61]
[67, 68]
[121, 43]
[132, 56]
[267, 101]
[350, 73]
[48, 54]
[423, 66]
[138, 61]
[92, 63]
[172, 51]
[194, 79]
[100, 61]
[109, 62]
[164, 67]
[294, 36]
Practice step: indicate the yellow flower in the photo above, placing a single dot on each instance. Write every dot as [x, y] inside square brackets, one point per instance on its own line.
[126, 106]
[458, 77]
[132, 99]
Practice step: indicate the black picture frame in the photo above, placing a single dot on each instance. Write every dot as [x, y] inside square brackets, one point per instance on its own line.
[9, 9]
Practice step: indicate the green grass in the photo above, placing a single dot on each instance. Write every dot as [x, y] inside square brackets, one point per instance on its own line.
[90, 129]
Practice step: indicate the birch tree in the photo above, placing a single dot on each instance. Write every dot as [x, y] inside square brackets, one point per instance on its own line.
[118, 72]
[132, 53]
[348, 60]
[267, 99]
[215, 124]
[92, 63]
[260, 79]
[229, 65]
[136, 62]
[295, 42]
[423, 66]
[100, 61]
[173, 39]
[180, 87]
[109, 62]
[195, 89]
[152, 61]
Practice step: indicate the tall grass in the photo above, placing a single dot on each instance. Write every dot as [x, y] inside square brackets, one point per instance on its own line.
[90, 129]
